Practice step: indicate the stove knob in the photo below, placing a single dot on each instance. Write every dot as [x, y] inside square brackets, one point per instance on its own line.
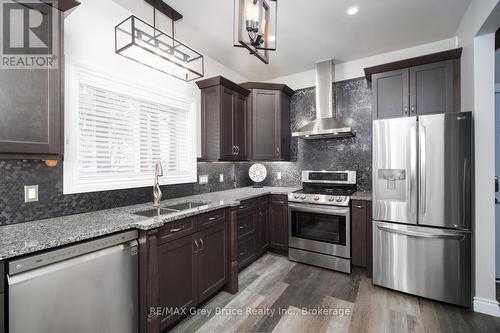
[339, 199]
[331, 199]
[303, 196]
[296, 196]
[316, 198]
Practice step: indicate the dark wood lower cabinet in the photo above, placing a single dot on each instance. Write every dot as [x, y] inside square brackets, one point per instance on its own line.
[177, 263]
[2, 314]
[278, 223]
[212, 261]
[262, 228]
[178, 274]
[361, 235]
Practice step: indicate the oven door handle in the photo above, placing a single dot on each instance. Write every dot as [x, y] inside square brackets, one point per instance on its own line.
[317, 209]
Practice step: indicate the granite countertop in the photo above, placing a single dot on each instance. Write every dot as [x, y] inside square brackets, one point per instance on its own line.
[362, 195]
[29, 237]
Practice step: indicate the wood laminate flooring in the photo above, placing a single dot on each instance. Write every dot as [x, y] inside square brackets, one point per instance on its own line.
[277, 295]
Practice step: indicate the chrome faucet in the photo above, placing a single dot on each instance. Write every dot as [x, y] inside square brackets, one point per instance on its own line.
[156, 185]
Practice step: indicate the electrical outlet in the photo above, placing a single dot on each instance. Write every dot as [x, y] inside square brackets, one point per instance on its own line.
[221, 178]
[203, 179]
[30, 193]
[278, 175]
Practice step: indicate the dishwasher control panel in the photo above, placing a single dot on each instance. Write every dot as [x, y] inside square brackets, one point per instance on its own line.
[25, 264]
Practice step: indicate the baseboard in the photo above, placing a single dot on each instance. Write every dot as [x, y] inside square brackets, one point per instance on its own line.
[486, 306]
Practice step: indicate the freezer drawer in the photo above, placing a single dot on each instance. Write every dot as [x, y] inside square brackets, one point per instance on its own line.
[428, 262]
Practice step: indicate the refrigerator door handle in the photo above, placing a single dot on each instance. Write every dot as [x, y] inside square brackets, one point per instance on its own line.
[420, 234]
[423, 166]
[413, 171]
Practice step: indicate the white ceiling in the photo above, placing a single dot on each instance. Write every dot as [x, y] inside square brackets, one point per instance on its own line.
[309, 31]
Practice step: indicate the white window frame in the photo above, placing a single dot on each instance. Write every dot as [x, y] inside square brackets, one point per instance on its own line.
[73, 181]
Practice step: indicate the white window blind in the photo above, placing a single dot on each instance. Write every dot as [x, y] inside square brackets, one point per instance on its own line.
[122, 130]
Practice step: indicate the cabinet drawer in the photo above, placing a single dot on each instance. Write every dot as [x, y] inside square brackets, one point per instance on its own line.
[263, 201]
[247, 205]
[246, 250]
[211, 219]
[176, 230]
[246, 224]
[279, 199]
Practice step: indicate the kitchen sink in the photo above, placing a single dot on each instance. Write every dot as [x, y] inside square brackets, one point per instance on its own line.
[185, 205]
[152, 212]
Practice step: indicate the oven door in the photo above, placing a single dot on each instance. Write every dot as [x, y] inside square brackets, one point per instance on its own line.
[322, 229]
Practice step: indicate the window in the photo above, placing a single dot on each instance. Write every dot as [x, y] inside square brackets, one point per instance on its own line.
[115, 132]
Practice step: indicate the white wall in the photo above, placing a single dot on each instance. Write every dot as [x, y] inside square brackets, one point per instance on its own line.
[354, 69]
[473, 20]
[90, 40]
[477, 81]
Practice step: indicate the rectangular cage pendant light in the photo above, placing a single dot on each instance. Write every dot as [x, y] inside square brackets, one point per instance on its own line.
[144, 43]
[255, 26]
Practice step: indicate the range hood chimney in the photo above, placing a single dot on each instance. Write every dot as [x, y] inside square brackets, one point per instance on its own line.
[326, 124]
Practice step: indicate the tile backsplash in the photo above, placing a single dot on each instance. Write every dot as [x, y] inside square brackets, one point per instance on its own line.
[353, 104]
[15, 174]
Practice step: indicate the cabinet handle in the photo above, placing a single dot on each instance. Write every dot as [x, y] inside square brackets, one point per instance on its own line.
[241, 207]
[237, 150]
[177, 229]
[406, 109]
[197, 247]
[211, 218]
[234, 150]
[202, 245]
[277, 151]
[360, 207]
[413, 109]
[242, 253]
[243, 226]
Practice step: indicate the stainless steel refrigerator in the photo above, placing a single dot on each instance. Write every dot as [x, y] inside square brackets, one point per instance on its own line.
[422, 184]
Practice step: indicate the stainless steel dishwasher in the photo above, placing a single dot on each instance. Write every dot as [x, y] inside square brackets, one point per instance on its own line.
[89, 287]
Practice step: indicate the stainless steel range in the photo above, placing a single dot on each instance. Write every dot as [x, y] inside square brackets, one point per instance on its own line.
[320, 219]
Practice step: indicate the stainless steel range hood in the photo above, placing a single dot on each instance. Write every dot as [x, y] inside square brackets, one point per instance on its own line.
[326, 124]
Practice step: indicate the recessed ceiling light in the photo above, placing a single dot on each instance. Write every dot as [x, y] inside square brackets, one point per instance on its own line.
[353, 10]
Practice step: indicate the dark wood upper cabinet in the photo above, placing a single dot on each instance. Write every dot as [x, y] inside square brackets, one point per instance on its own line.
[178, 280]
[212, 260]
[31, 122]
[278, 223]
[422, 88]
[223, 120]
[269, 112]
[390, 94]
[432, 88]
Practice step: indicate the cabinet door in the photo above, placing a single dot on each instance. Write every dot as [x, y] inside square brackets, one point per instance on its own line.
[240, 127]
[431, 88]
[227, 147]
[278, 223]
[177, 277]
[212, 260]
[265, 124]
[358, 233]
[263, 229]
[390, 94]
[30, 108]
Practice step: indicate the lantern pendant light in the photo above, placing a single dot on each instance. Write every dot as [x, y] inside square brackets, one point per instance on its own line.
[255, 26]
[144, 43]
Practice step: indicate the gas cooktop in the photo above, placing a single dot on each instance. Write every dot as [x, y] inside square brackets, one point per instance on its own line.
[333, 188]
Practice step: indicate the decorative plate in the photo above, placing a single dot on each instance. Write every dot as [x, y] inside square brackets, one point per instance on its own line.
[257, 172]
